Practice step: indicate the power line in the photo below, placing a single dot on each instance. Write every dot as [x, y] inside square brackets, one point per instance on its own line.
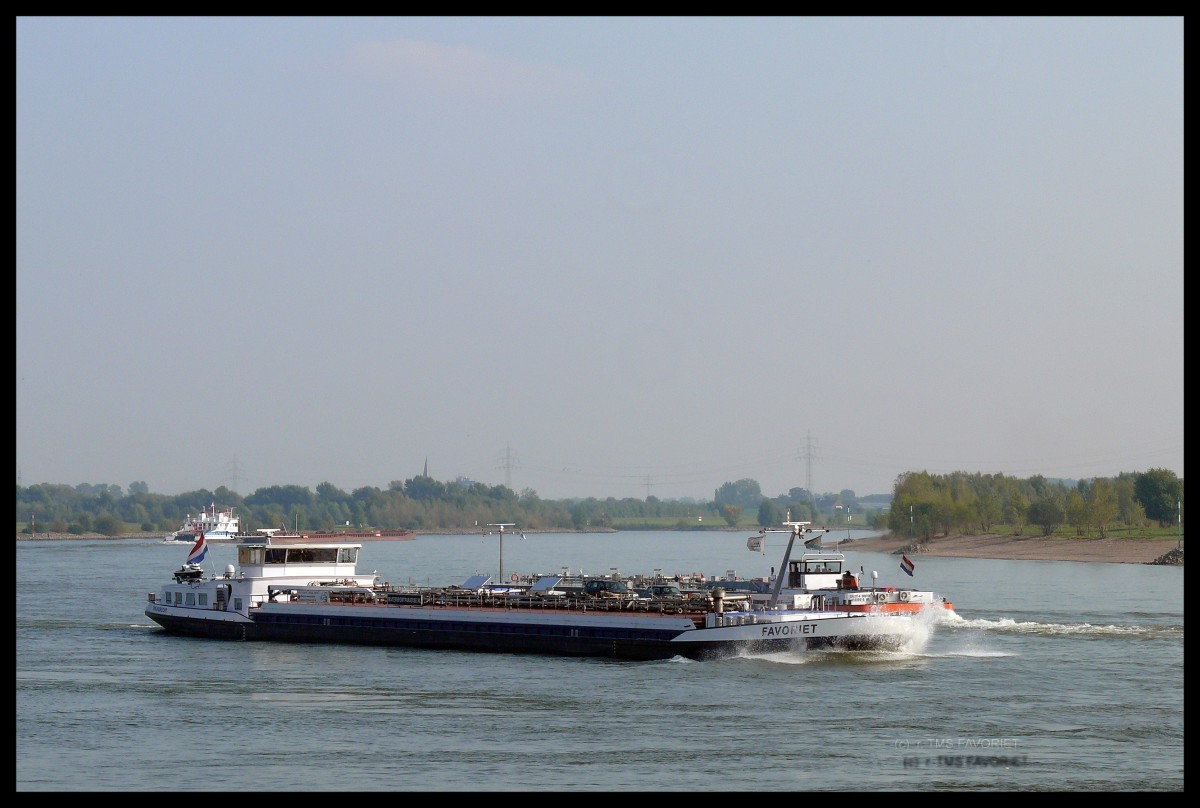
[809, 452]
[232, 474]
[507, 462]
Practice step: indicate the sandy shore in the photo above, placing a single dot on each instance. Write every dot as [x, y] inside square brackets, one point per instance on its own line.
[1029, 548]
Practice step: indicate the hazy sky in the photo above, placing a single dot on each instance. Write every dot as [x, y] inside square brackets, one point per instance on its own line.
[597, 256]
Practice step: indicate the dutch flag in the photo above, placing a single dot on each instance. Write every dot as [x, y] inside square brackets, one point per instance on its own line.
[907, 565]
[199, 551]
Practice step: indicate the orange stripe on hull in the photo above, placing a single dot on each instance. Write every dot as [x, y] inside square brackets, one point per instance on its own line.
[903, 608]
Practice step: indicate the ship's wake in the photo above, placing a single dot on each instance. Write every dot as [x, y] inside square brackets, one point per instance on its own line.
[1008, 625]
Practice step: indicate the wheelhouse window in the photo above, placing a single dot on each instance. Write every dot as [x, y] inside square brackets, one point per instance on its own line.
[297, 555]
[250, 555]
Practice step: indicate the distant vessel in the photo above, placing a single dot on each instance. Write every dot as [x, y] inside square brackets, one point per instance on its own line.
[283, 536]
[213, 524]
[298, 589]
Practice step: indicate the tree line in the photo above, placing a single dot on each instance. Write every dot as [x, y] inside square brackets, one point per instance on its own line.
[922, 504]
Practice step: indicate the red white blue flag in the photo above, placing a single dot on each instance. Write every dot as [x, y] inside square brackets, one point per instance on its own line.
[907, 565]
[199, 551]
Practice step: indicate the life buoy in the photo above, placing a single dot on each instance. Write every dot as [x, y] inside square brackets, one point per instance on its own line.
[904, 595]
[880, 597]
[513, 577]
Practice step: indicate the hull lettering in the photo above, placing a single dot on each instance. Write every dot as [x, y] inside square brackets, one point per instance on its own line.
[789, 630]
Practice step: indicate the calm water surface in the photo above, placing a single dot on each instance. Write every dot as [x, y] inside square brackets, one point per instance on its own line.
[1055, 676]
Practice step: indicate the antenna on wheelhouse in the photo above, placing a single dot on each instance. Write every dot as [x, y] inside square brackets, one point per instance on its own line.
[501, 525]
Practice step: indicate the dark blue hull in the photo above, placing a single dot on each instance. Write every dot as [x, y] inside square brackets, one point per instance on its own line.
[566, 639]
[563, 639]
[464, 631]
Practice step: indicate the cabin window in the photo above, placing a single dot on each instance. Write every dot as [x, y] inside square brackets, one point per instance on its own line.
[250, 555]
[276, 555]
[300, 555]
[191, 599]
[347, 555]
[178, 598]
[202, 598]
[314, 555]
[237, 604]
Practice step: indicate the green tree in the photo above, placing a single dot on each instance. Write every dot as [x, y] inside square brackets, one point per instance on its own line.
[1077, 512]
[769, 514]
[911, 489]
[744, 493]
[328, 492]
[801, 511]
[1158, 490]
[138, 514]
[284, 497]
[1047, 512]
[963, 505]
[1129, 511]
[1015, 508]
[109, 525]
[732, 514]
[1102, 504]
[425, 488]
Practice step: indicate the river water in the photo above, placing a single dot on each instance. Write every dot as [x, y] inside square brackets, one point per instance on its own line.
[1055, 676]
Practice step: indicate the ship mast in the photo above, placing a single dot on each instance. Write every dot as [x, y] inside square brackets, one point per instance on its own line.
[787, 554]
[501, 525]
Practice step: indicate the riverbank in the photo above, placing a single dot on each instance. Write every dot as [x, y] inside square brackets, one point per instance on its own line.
[161, 535]
[1031, 548]
[991, 545]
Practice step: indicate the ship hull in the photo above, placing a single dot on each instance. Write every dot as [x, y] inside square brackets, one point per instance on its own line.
[621, 637]
[300, 589]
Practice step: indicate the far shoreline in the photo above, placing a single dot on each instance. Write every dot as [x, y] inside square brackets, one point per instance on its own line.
[1164, 550]
[1124, 550]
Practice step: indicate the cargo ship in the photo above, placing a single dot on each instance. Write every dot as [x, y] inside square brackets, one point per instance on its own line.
[309, 590]
[283, 536]
[214, 525]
